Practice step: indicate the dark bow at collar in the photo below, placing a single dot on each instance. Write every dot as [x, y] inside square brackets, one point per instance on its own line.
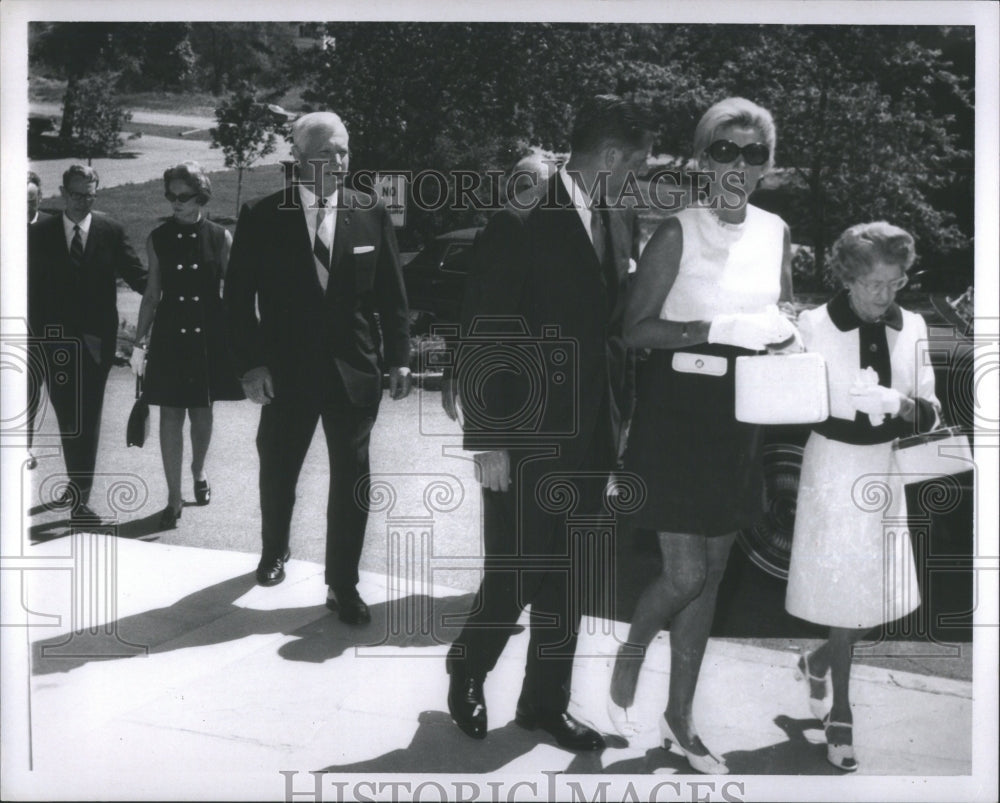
[845, 318]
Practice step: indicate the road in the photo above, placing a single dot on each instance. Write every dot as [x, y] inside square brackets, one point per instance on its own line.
[431, 530]
[146, 157]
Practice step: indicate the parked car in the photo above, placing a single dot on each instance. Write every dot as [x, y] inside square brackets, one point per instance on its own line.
[435, 278]
[951, 348]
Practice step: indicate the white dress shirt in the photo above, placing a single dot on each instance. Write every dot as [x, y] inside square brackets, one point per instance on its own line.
[84, 230]
[580, 201]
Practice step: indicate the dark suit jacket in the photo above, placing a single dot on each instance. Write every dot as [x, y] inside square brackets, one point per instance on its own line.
[314, 342]
[539, 266]
[85, 301]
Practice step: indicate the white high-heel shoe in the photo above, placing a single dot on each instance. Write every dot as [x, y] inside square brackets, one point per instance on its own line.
[819, 706]
[840, 755]
[623, 720]
[708, 764]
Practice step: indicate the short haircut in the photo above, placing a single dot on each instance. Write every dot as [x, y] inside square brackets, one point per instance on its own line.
[858, 249]
[302, 125]
[192, 174]
[34, 179]
[735, 112]
[86, 172]
[609, 118]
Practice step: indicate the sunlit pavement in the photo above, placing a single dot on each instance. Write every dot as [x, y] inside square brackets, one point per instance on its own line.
[163, 671]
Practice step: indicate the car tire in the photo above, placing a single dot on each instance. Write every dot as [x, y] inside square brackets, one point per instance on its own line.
[768, 544]
[420, 322]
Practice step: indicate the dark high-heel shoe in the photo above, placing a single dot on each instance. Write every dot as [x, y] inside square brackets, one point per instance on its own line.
[169, 517]
[202, 492]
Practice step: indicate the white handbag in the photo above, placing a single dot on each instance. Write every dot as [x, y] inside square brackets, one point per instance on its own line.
[943, 451]
[782, 389]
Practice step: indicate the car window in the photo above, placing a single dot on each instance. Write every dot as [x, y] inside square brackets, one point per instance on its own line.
[457, 258]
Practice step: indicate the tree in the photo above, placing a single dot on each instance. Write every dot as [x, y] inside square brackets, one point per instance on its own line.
[99, 117]
[247, 132]
[872, 120]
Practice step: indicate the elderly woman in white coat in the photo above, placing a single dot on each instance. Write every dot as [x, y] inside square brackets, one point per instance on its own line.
[852, 565]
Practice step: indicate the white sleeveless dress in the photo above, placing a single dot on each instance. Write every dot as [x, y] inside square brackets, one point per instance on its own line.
[701, 467]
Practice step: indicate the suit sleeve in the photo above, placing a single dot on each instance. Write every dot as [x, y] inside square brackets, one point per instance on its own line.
[129, 267]
[240, 295]
[390, 297]
[494, 308]
[927, 416]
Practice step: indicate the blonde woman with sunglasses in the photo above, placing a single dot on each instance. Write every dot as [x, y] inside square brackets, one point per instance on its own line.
[189, 366]
[706, 291]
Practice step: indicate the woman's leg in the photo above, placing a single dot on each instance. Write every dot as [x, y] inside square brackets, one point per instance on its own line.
[201, 437]
[681, 579]
[688, 638]
[172, 451]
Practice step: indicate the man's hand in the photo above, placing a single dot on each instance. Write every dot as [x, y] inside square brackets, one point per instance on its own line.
[258, 386]
[400, 382]
[494, 470]
[449, 395]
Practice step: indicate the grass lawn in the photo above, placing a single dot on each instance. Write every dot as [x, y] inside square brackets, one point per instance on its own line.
[140, 208]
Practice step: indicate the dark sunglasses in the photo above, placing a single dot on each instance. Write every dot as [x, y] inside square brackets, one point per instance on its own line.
[723, 151]
[184, 197]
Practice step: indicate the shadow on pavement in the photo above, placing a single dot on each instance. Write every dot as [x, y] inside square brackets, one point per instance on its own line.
[209, 616]
[438, 746]
[418, 620]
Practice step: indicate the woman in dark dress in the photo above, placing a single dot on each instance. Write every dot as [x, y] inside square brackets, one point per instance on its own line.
[188, 366]
[706, 291]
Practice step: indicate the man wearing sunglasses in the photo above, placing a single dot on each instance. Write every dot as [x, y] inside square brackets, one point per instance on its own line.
[74, 262]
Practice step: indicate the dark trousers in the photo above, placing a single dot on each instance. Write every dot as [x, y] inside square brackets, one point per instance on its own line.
[75, 384]
[531, 559]
[283, 437]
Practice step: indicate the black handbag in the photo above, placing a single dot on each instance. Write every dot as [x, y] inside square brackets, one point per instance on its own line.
[138, 419]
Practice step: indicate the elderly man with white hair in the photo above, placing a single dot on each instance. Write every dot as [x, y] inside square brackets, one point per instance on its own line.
[311, 265]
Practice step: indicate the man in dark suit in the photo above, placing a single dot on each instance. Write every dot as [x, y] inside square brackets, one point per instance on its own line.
[559, 266]
[319, 260]
[74, 261]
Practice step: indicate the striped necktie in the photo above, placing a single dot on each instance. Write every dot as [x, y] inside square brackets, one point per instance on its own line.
[320, 249]
[76, 248]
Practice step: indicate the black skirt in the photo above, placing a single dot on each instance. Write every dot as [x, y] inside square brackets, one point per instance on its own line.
[702, 468]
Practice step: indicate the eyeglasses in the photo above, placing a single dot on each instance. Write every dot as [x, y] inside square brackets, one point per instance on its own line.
[184, 197]
[872, 288]
[83, 196]
[724, 151]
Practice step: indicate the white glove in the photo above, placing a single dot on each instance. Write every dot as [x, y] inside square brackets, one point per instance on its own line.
[753, 331]
[867, 396]
[138, 360]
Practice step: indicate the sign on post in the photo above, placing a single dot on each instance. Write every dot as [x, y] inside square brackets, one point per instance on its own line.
[391, 188]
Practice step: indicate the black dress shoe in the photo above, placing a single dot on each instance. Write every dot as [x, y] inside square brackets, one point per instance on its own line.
[169, 517]
[270, 573]
[568, 732]
[351, 609]
[466, 702]
[83, 514]
[202, 492]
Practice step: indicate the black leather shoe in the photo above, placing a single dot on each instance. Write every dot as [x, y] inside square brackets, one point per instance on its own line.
[568, 732]
[351, 609]
[202, 492]
[169, 517]
[82, 514]
[270, 573]
[466, 702]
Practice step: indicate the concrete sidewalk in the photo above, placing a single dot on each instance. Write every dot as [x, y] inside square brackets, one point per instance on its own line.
[155, 671]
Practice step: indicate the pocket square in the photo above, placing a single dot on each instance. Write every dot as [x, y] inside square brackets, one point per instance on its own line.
[363, 249]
